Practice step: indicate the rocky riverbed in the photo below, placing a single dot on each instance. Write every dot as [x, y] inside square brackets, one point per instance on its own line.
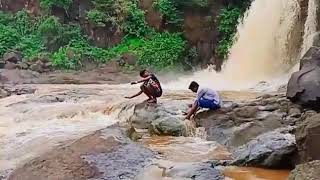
[92, 132]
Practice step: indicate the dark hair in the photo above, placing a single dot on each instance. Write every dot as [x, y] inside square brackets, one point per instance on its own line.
[193, 85]
[142, 72]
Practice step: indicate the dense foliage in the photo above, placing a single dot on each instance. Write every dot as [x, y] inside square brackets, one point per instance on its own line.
[172, 10]
[123, 14]
[57, 3]
[228, 19]
[67, 46]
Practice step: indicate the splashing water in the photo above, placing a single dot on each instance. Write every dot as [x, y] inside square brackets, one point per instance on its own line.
[267, 47]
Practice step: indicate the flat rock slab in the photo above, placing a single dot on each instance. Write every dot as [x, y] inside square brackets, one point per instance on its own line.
[106, 154]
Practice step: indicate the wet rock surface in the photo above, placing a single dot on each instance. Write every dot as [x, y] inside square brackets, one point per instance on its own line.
[237, 123]
[105, 154]
[8, 90]
[272, 150]
[303, 86]
[197, 171]
[308, 135]
[249, 129]
[168, 126]
[160, 119]
[41, 72]
[308, 171]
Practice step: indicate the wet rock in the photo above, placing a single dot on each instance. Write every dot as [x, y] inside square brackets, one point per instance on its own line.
[308, 171]
[129, 59]
[23, 65]
[10, 66]
[38, 67]
[248, 131]
[308, 135]
[197, 171]
[246, 112]
[294, 112]
[144, 114]
[268, 108]
[272, 150]
[20, 89]
[124, 163]
[170, 126]
[304, 85]
[13, 57]
[105, 154]
[4, 93]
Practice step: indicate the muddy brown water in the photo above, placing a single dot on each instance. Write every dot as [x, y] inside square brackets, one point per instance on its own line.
[249, 173]
[192, 149]
[36, 123]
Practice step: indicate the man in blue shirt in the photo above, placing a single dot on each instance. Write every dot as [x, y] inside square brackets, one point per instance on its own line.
[206, 98]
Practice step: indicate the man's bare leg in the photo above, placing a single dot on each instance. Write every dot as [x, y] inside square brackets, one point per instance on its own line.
[146, 92]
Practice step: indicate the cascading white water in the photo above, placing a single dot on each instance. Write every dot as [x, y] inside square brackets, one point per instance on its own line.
[267, 47]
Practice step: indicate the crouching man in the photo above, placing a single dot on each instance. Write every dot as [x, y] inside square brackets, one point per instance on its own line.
[151, 87]
[206, 98]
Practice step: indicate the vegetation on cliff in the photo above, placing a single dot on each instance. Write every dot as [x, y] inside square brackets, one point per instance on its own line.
[66, 45]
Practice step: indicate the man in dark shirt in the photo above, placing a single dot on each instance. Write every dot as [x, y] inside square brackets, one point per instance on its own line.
[151, 86]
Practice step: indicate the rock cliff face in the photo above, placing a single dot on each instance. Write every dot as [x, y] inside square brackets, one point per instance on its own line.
[199, 27]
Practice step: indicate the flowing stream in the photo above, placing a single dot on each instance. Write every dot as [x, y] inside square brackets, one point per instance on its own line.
[268, 46]
[57, 114]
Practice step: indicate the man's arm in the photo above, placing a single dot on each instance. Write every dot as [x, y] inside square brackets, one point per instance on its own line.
[193, 110]
[130, 97]
[142, 80]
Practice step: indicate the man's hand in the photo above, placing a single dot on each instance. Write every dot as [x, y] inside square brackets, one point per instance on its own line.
[135, 82]
[128, 97]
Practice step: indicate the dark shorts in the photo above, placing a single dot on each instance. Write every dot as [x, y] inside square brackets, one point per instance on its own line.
[154, 91]
[209, 104]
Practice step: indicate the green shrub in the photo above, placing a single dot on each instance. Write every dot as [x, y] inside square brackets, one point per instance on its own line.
[23, 22]
[228, 21]
[192, 3]
[135, 23]
[9, 36]
[58, 3]
[163, 50]
[97, 17]
[30, 46]
[6, 18]
[67, 58]
[169, 10]
[56, 35]
[123, 14]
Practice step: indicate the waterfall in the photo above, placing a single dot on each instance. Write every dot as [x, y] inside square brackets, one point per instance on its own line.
[268, 45]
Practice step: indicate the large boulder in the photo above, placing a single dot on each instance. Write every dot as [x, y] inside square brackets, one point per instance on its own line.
[308, 171]
[308, 135]
[170, 126]
[105, 154]
[12, 57]
[272, 150]
[197, 171]
[304, 85]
